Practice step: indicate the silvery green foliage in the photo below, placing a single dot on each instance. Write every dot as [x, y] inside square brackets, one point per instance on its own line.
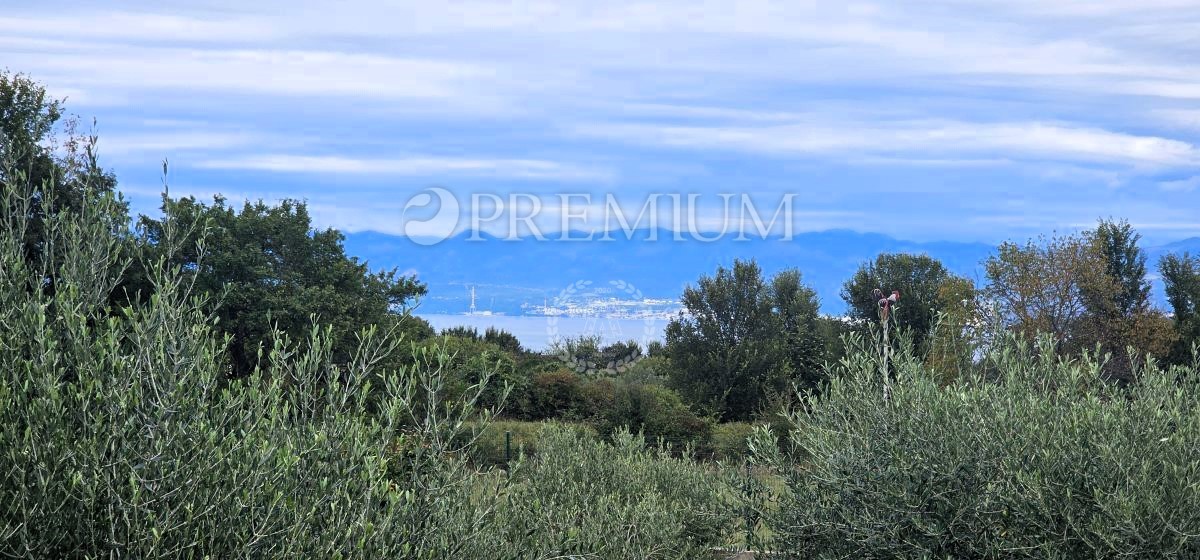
[1036, 456]
[122, 437]
[581, 497]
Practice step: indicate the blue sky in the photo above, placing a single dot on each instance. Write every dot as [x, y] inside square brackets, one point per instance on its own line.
[931, 120]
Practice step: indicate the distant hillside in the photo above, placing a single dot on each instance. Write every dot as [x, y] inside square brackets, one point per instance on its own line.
[1189, 245]
[509, 273]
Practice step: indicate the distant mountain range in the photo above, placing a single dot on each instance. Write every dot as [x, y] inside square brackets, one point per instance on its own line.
[508, 275]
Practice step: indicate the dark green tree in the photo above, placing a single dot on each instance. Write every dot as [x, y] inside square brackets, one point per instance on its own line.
[919, 278]
[268, 266]
[733, 348]
[504, 339]
[621, 350]
[831, 330]
[1125, 264]
[798, 310]
[27, 120]
[1181, 277]
[64, 168]
[461, 331]
[1118, 311]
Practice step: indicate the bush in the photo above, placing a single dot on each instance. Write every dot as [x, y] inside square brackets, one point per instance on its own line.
[489, 445]
[658, 413]
[553, 394]
[610, 405]
[468, 360]
[652, 370]
[123, 437]
[730, 441]
[581, 497]
[505, 340]
[489, 440]
[597, 400]
[1042, 458]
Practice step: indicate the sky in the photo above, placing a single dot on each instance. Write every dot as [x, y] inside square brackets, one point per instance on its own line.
[973, 121]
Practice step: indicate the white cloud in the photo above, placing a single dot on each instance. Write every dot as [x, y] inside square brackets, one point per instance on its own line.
[151, 195]
[126, 26]
[1176, 89]
[552, 215]
[1192, 227]
[705, 112]
[1181, 185]
[157, 138]
[1179, 118]
[408, 166]
[271, 72]
[920, 140]
[572, 44]
[164, 143]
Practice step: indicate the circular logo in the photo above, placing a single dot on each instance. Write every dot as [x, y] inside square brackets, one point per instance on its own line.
[615, 312]
[425, 225]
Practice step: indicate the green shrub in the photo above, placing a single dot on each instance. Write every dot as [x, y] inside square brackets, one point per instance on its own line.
[597, 400]
[651, 370]
[656, 412]
[1040, 458]
[469, 360]
[489, 445]
[553, 394]
[730, 441]
[582, 497]
[488, 448]
[123, 437]
[659, 414]
[504, 340]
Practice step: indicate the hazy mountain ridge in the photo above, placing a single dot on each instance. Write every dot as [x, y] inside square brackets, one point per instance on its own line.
[509, 273]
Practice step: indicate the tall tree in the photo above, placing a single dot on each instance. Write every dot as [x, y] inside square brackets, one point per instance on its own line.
[64, 168]
[1039, 286]
[1089, 291]
[957, 335]
[921, 280]
[1119, 314]
[1181, 277]
[270, 268]
[742, 339]
[27, 121]
[1126, 291]
[798, 309]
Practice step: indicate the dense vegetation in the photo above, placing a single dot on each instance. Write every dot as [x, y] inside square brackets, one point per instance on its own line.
[127, 434]
[1034, 455]
[215, 382]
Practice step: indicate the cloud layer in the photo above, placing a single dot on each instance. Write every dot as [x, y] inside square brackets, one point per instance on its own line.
[1010, 116]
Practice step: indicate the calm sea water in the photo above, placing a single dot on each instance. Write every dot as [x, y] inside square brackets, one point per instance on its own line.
[536, 333]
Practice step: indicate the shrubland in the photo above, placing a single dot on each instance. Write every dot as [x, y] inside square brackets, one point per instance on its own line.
[1034, 455]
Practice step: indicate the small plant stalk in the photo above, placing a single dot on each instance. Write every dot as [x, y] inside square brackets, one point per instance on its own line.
[883, 367]
[885, 308]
